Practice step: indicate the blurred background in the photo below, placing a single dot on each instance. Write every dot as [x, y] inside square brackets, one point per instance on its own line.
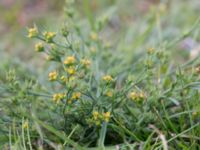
[17, 15]
[176, 16]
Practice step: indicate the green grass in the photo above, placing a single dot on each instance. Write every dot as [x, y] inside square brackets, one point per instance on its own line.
[152, 95]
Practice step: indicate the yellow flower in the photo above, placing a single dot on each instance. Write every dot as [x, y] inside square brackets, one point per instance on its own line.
[71, 70]
[136, 96]
[107, 78]
[86, 62]
[70, 60]
[95, 115]
[93, 36]
[106, 116]
[53, 76]
[25, 125]
[76, 95]
[150, 50]
[32, 32]
[58, 97]
[109, 94]
[133, 95]
[98, 118]
[49, 36]
[141, 95]
[39, 47]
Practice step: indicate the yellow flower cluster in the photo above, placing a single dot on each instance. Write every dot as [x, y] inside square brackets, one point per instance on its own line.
[136, 96]
[98, 118]
[109, 94]
[39, 47]
[150, 50]
[107, 78]
[75, 96]
[53, 76]
[25, 125]
[71, 70]
[70, 60]
[85, 62]
[58, 97]
[106, 116]
[32, 32]
[48, 36]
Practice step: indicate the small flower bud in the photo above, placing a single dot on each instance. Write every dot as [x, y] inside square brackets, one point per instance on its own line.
[39, 47]
[32, 32]
[150, 50]
[107, 78]
[48, 36]
[53, 76]
[70, 60]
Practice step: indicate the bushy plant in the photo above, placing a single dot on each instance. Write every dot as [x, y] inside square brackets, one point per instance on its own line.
[99, 94]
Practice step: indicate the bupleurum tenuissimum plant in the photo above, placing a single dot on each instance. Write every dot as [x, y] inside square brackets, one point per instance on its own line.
[94, 101]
